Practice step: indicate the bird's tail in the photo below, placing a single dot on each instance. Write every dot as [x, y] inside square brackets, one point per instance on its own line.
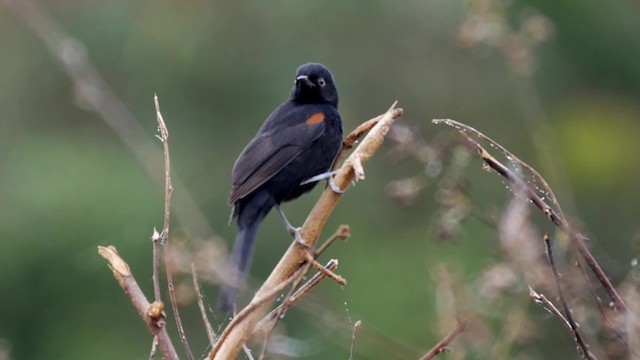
[241, 262]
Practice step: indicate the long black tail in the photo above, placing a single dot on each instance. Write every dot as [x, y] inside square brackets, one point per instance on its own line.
[250, 212]
[241, 258]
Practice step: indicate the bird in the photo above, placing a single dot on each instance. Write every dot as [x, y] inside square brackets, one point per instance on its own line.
[292, 151]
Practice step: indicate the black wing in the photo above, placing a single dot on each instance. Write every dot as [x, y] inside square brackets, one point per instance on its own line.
[270, 151]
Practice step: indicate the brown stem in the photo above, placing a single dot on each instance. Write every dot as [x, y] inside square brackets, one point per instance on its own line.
[333, 276]
[156, 238]
[127, 282]
[550, 307]
[442, 345]
[203, 312]
[356, 327]
[154, 348]
[269, 322]
[168, 189]
[343, 233]
[250, 309]
[555, 217]
[584, 349]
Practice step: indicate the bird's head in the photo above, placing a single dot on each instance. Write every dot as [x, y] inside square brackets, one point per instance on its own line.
[314, 85]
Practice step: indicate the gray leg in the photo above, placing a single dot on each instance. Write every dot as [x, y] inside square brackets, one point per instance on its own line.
[293, 231]
[325, 175]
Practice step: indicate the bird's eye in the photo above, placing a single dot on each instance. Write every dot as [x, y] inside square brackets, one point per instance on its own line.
[321, 82]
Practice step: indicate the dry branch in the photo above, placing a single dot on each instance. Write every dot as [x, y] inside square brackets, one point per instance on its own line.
[203, 312]
[554, 216]
[550, 307]
[356, 327]
[155, 324]
[234, 337]
[584, 349]
[257, 303]
[270, 320]
[343, 233]
[156, 238]
[168, 189]
[297, 292]
[442, 345]
[267, 325]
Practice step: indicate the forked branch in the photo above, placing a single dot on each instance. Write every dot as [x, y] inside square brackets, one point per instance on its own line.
[152, 314]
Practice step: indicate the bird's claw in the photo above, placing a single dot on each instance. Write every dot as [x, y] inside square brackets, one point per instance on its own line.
[295, 232]
[335, 188]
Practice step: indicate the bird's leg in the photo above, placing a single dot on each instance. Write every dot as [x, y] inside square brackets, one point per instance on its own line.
[293, 231]
[326, 175]
[322, 176]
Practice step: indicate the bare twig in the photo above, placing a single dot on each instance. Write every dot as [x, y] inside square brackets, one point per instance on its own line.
[247, 352]
[265, 343]
[442, 345]
[154, 348]
[466, 129]
[584, 349]
[356, 327]
[255, 303]
[168, 189]
[333, 276]
[607, 320]
[155, 324]
[203, 312]
[156, 238]
[267, 325]
[269, 322]
[555, 217]
[343, 233]
[232, 338]
[550, 307]
[351, 140]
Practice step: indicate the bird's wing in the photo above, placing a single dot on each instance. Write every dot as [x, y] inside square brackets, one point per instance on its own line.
[271, 151]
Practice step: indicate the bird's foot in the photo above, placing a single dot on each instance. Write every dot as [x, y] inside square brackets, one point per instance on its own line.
[295, 233]
[335, 188]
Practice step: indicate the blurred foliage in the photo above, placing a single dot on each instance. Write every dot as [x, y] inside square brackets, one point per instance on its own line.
[555, 82]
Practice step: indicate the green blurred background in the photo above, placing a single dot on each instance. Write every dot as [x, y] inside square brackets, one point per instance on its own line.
[558, 83]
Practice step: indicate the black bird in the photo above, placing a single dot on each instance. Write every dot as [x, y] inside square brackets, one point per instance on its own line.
[298, 142]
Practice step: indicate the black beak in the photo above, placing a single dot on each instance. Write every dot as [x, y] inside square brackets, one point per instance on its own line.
[304, 79]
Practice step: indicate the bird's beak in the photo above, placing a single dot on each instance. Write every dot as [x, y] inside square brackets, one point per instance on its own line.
[304, 79]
